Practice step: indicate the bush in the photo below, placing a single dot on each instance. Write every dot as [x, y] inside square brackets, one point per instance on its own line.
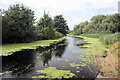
[97, 35]
[58, 34]
[109, 38]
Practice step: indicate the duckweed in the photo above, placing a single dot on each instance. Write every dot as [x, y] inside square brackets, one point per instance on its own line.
[96, 47]
[59, 59]
[77, 67]
[66, 60]
[5, 72]
[52, 72]
[77, 71]
[8, 49]
[1, 74]
[74, 65]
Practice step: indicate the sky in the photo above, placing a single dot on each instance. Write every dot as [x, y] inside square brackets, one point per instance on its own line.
[74, 11]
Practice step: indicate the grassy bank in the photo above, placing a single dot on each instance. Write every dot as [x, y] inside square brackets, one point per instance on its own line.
[108, 66]
[105, 38]
[8, 49]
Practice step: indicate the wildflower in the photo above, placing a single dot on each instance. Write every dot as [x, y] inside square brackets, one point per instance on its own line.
[116, 46]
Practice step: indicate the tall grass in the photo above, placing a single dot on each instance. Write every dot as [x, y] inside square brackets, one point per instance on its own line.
[106, 38]
[96, 35]
[109, 38]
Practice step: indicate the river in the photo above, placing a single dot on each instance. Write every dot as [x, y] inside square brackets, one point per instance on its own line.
[63, 56]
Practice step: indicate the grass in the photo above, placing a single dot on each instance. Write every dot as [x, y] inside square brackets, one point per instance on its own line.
[95, 46]
[8, 49]
[106, 38]
[109, 38]
[109, 66]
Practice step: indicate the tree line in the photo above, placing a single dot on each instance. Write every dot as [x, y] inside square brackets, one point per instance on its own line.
[99, 24]
[18, 25]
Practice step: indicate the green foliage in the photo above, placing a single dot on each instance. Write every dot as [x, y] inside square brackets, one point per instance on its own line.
[8, 49]
[60, 24]
[96, 35]
[45, 30]
[106, 38]
[17, 24]
[79, 29]
[46, 21]
[101, 27]
[109, 38]
[58, 34]
[99, 24]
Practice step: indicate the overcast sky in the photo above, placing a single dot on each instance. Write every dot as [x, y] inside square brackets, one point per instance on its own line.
[74, 11]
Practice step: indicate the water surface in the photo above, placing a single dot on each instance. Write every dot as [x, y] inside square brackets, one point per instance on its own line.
[25, 63]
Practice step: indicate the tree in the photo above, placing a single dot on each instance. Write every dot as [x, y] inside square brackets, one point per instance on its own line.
[97, 19]
[81, 28]
[46, 21]
[111, 23]
[60, 24]
[44, 28]
[18, 23]
[98, 24]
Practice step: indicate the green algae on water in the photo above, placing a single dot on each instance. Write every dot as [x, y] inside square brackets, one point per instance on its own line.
[8, 49]
[63, 66]
[66, 60]
[74, 65]
[1, 74]
[5, 72]
[77, 65]
[77, 71]
[96, 47]
[52, 72]
[59, 59]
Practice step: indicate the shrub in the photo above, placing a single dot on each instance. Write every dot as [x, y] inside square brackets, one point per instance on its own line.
[109, 38]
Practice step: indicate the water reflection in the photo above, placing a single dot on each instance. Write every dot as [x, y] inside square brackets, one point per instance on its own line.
[59, 51]
[48, 53]
[46, 57]
[19, 62]
[25, 63]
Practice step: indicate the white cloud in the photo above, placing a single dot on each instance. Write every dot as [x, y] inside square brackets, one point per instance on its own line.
[62, 6]
[65, 5]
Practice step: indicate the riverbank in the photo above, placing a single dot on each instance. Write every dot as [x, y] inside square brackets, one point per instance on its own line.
[108, 66]
[8, 49]
[106, 56]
